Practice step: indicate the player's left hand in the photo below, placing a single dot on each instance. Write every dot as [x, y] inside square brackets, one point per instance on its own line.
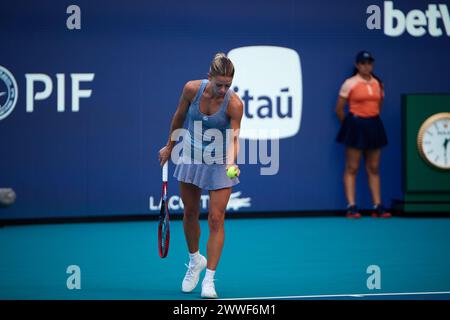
[233, 165]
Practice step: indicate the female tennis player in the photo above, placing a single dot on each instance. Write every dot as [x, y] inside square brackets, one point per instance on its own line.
[362, 131]
[212, 105]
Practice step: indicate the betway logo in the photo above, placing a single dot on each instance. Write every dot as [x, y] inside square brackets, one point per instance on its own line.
[175, 202]
[416, 22]
[269, 81]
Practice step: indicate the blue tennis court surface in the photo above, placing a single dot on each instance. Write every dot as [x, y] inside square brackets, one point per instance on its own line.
[286, 258]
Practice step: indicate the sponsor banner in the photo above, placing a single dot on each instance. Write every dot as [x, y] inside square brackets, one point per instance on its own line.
[87, 97]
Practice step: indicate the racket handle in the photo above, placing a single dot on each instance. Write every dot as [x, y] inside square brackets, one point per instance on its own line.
[165, 171]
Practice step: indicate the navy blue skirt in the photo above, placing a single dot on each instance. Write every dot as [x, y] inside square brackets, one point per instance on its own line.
[362, 133]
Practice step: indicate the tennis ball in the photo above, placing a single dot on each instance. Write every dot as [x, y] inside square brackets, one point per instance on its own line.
[232, 172]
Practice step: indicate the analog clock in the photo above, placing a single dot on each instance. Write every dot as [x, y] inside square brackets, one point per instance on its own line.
[433, 140]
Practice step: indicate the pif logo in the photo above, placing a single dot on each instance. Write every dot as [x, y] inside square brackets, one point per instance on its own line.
[8, 92]
[269, 81]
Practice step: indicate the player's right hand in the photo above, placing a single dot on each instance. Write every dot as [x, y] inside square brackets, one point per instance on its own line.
[164, 155]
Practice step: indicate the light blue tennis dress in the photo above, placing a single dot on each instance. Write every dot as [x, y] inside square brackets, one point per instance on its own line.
[206, 173]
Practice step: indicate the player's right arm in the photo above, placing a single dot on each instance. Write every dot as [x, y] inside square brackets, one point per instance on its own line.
[187, 96]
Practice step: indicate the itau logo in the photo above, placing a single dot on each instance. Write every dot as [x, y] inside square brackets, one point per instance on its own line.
[435, 21]
[268, 79]
[8, 92]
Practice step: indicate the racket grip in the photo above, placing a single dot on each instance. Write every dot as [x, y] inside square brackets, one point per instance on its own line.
[165, 171]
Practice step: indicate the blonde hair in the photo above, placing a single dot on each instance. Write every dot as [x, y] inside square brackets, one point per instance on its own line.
[221, 65]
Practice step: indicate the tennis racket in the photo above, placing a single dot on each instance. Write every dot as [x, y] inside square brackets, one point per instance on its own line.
[163, 226]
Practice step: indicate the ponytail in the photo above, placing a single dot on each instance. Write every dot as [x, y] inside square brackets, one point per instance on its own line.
[221, 65]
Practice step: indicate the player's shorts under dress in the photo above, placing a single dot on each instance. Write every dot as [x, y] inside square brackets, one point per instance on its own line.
[203, 160]
[362, 128]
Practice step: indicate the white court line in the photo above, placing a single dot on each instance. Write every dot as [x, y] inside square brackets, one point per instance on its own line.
[355, 295]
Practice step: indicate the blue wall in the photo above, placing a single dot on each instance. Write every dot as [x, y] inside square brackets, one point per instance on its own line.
[102, 160]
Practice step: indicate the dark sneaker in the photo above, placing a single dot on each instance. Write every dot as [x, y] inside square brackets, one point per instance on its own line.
[380, 212]
[352, 212]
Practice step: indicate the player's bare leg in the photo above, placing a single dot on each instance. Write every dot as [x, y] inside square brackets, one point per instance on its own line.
[216, 218]
[190, 194]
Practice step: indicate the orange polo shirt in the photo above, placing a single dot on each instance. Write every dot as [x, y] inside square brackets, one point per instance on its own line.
[363, 96]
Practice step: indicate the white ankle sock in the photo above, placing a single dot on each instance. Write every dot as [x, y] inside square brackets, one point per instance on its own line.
[193, 257]
[209, 276]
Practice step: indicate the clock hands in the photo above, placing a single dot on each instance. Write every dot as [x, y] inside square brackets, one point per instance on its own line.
[446, 141]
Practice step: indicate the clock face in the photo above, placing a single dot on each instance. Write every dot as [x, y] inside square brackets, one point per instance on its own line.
[434, 140]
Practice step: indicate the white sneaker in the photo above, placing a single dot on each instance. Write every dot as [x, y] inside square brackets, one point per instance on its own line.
[209, 290]
[192, 276]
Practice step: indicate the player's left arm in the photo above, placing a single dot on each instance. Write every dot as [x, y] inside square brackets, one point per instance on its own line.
[235, 112]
